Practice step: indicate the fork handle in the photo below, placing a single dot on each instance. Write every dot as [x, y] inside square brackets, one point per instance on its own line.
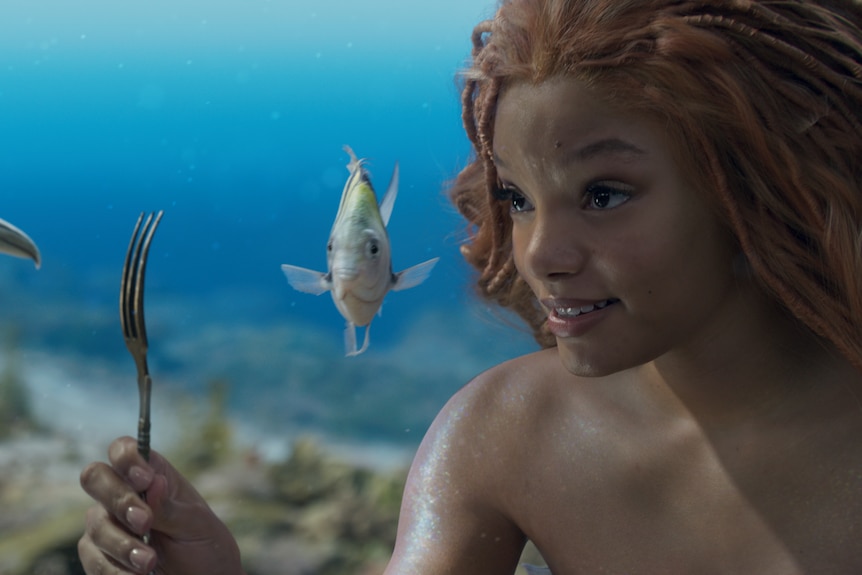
[145, 538]
[144, 438]
[145, 383]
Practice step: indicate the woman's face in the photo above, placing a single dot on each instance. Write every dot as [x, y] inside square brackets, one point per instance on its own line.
[623, 253]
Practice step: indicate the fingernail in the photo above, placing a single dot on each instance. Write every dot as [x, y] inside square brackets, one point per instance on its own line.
[137, 519]
[140, 477]
[141, 558]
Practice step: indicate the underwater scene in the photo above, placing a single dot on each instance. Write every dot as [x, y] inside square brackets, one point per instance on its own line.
[230, 116]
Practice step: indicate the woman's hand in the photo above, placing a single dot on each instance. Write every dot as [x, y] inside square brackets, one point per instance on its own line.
[185, 535]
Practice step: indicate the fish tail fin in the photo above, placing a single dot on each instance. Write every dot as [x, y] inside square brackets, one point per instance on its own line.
[413, 276]
[366, 340]
[350, 339]
[306, 280]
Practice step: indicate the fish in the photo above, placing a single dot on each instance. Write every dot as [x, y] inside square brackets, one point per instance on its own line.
[359, 257]
[15, 242]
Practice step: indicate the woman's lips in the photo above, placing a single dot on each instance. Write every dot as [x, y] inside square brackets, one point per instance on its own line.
[575, 311]
[574, 318]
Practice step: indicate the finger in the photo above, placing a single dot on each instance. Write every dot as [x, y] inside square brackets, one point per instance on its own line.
[94, 562]
[107, 548]
[129, 464]
[119, 498]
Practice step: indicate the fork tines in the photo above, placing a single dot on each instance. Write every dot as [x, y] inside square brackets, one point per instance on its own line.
[134, 270]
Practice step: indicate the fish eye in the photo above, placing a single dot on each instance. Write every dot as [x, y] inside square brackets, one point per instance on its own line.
[329, 247]
[373, 248]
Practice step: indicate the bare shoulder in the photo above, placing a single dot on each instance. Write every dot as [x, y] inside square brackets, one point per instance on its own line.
[462, 480]
[511, 392]
[510, 456]
[484, 426]
[525, 413]
[505, 414]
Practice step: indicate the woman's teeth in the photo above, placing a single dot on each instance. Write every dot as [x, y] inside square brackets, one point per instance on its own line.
[576, 311]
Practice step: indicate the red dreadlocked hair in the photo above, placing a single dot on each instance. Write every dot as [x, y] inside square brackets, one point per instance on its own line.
[763, 104]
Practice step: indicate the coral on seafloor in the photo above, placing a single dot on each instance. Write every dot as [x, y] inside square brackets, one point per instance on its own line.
[309, 514]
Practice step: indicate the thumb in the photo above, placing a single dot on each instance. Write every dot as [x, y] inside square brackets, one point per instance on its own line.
[190, 537]
[178, 509]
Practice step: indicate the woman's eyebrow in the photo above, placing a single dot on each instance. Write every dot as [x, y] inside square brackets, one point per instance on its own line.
[603, 147]
[608, 146]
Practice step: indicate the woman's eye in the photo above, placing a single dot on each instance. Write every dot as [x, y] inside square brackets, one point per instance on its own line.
[519, 202]
[606, 195]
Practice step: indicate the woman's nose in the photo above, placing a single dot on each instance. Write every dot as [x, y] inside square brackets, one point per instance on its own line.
[553, 245]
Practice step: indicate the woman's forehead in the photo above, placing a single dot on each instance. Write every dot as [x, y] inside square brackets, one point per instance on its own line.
[565, 116]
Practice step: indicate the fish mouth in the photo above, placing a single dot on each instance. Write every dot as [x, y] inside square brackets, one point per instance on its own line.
[345, 273]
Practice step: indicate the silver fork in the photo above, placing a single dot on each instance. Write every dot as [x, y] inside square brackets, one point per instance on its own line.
[132, 320]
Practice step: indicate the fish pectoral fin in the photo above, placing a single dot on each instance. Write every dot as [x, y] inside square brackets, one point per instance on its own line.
[388, 201]
[306, 280]
[413, 276]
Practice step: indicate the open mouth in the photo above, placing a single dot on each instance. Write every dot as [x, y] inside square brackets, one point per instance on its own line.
[569, 312]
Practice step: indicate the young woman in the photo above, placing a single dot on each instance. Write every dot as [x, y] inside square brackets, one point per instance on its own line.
[670, 194]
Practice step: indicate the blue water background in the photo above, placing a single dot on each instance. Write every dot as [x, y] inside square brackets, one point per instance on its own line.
[231, 115]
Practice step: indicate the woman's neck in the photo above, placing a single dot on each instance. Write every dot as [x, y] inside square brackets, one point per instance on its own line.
[756, 363]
